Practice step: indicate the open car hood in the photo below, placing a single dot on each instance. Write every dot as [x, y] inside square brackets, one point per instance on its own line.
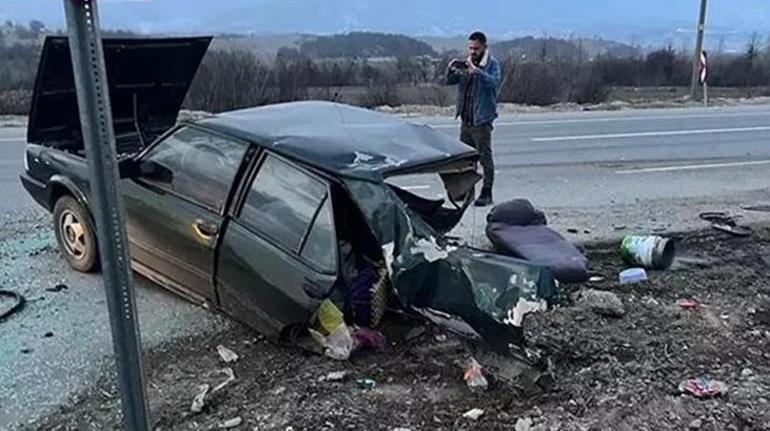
[148, 81]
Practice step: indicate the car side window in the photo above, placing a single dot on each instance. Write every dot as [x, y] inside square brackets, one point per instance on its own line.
[202, 166]
[283, 203]
[321, 244]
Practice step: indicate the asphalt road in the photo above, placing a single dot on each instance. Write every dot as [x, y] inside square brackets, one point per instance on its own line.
[603, 172]
[590, 159]
[60, 342]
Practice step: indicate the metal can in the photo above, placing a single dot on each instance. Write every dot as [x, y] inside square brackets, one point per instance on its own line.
[648, 251]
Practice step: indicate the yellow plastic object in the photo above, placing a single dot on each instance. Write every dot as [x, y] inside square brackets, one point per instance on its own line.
[329, 317]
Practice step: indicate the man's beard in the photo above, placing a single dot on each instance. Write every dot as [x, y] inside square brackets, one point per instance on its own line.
[477, 58]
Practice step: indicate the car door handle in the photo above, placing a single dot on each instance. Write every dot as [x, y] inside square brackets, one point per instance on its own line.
[206, 228]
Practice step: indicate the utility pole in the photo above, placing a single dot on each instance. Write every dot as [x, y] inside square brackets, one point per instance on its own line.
[698, 50]
[88, 67]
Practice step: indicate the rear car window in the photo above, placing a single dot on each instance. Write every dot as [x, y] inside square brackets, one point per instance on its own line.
[203, 165]
[283, 202]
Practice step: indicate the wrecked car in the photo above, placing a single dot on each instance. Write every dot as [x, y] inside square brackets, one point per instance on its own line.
[265, 213]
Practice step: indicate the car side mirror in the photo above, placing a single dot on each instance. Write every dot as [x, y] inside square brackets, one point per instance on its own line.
[128, 168]
[155, 171]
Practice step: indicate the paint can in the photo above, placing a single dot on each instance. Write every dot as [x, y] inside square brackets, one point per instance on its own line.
[648, 251]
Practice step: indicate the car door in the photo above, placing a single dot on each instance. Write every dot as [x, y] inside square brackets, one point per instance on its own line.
[175, 208]
[280, 245]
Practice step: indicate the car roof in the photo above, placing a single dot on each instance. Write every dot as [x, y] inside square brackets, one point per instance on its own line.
[342, 139]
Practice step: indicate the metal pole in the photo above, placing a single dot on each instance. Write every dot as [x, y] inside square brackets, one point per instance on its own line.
[99, 141]
[698, 49]
[705, 94]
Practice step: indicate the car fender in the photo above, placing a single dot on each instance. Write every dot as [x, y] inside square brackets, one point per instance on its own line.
[72, 189]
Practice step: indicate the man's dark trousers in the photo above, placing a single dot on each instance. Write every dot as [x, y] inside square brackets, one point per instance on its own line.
[480, 138]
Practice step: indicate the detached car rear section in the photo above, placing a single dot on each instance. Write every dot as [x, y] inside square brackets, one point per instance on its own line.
[267, 213]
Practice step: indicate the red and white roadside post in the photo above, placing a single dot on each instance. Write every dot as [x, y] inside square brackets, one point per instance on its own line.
[703, 76]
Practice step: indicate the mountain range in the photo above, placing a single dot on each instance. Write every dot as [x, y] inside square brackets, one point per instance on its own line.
[639, 21]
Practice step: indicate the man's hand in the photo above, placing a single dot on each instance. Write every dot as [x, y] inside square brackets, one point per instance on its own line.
[456, 66]
[471, 67]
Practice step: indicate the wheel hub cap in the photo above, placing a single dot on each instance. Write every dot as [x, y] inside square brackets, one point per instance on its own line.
[73, 234]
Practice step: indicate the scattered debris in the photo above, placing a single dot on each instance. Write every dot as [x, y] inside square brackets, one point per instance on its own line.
[415, 333]
[528, 371]
[279, 390]
[336, 376]
[202, 391]
[724, 222]
[231, 423]
[229, 377]
[366, 384]
[693, 262]
[524, 424]
[596, 279]
[601, 302]
[648, 251]
[703, 387]
[688, 304]
[226, 354]
[18, 305]
[441, 338]
[633, 276]
[199, 401]
[368, 339]
[48, 335]
[696, 424]
[759, 208]
[57, 288]
[473, 414]
[733, 230]
[26, 350]
[474, 377]
[747, 372]
[620, 227]
[573, 231]
[331, 332]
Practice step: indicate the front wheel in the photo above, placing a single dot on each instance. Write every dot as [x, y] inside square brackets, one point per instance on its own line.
[75, 234]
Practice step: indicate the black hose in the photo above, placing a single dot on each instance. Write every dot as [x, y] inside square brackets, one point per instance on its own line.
[20, 302]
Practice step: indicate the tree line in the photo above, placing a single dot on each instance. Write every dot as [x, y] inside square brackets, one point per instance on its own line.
[535, 72]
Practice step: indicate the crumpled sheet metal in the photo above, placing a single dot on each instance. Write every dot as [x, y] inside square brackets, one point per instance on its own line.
[490, 292]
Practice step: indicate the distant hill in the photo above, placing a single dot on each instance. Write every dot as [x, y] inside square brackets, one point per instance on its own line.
[530, 47]
[574, 49]
[533, 46]
[263, 46]
[647, 22]
[365, 45]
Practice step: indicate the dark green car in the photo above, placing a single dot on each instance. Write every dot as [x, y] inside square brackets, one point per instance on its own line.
[263, 213]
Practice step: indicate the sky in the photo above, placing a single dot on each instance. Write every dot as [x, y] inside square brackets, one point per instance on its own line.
[613, 19]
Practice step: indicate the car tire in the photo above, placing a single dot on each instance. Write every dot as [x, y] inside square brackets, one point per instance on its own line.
[75, 234]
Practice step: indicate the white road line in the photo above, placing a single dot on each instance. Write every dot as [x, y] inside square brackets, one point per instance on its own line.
[692, 167]
[616, 119]
[416, 187]
[651, 134]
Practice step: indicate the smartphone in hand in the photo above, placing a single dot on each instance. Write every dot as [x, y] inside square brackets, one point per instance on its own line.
[459, 64]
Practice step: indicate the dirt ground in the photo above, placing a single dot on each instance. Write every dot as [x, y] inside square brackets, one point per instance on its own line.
[610, 373]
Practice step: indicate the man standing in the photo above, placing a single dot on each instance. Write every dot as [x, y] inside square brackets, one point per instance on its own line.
[478, 81]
